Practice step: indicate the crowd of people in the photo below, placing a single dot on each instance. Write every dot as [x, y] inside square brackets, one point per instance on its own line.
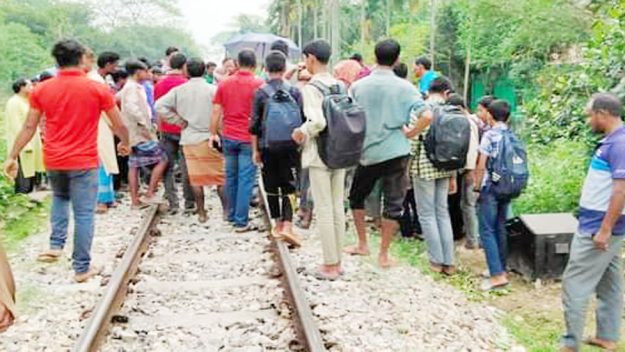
[100, 129]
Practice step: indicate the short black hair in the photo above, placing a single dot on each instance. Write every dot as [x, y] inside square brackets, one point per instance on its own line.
[44, 76]
[247, 58]
[441, 85]
[170, 50]
[210, 64]
[456, 100]
[145, 61]
[132, 66]
[356, 57]
[607, 102]
[156, 70]
[401, 70]
[281, 46]
[425, 62]
[320, 49]
[68, 52]
[18, 84]
[486, 100]
[177, 61]
[275, 62]
[195, 67]
[387, 52]
[107, 57]
[119, 75]
[499, 110]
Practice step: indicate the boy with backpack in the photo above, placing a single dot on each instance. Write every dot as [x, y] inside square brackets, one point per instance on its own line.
[439, 151]
[331, 144]
[276, 113]
[501, 175]
[387, 101]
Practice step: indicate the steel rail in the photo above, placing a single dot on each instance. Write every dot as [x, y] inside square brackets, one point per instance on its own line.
[309, 329]
[110, 303]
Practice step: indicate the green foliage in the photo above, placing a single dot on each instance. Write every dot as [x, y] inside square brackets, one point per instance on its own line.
[557, 110]
[557, 173]
[29, 28]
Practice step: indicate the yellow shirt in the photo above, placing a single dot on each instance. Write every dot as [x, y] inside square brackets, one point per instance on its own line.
[31, 157]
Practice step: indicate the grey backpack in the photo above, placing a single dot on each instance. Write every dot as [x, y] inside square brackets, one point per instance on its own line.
[340, 144]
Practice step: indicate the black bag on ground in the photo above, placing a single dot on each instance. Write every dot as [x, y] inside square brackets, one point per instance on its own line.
[340, 143]
[448, 138]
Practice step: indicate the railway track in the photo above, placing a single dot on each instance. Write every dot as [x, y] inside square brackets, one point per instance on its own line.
[182, 286]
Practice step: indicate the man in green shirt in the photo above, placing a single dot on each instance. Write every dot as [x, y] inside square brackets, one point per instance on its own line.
[210, 69]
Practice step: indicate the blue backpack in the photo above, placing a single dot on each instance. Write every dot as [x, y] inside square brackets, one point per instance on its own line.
[509, 172]
[281, 117]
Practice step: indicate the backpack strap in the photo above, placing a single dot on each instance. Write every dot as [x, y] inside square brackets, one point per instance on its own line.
[324, 89]
[268, 89]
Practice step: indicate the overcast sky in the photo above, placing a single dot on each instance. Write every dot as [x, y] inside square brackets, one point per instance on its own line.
[206, 18]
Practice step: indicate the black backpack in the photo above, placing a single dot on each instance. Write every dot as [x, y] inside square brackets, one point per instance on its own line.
[447, 141]
[340, 144]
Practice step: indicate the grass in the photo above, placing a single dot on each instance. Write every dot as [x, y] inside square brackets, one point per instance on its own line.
[26, 220]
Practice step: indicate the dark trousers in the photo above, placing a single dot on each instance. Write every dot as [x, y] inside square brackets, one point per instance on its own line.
[171, 145]
[279, 177]
[23, 184]
[394, 177]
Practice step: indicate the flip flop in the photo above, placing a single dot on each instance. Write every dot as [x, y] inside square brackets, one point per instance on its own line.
[488, 286]
[291, 239]
[49, 256]
[593, 341]
[319, 275]
[139, 206]
[354, 250]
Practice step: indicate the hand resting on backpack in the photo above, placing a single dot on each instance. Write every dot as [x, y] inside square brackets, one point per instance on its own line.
[298, 136]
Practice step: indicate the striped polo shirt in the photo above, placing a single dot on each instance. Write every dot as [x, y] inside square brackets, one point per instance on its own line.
[607, 164]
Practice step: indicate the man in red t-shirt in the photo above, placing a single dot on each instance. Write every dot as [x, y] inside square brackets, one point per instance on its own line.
[170, 138]
[234, 100]
[72, 104]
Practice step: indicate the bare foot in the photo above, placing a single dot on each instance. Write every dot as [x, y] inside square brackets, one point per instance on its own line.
[202, 217]
[603, 344]
[385, 261]
[327, 272]
[101, 208]
[356, 250]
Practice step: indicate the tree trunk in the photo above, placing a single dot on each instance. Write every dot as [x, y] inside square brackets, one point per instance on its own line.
[388, 18]
[299, 22]
[316, 19]
[467, 69]
[432, 31]
[363, 19]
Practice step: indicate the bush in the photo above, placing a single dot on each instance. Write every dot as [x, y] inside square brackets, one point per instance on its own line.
[557, 172]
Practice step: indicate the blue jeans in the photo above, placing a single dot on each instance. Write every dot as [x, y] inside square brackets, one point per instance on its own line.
[591, 272]
[433, 211]
[80, 188]
[492, 215]
[240, 180]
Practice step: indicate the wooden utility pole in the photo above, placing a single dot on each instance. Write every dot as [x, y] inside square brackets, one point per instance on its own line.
[432, 30]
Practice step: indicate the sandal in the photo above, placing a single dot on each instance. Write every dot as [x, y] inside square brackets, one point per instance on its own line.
[596, 342]
[139, 206]
[101, 209]
[320, 275]
[354, 250]
[487, 285]
[50, 256]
